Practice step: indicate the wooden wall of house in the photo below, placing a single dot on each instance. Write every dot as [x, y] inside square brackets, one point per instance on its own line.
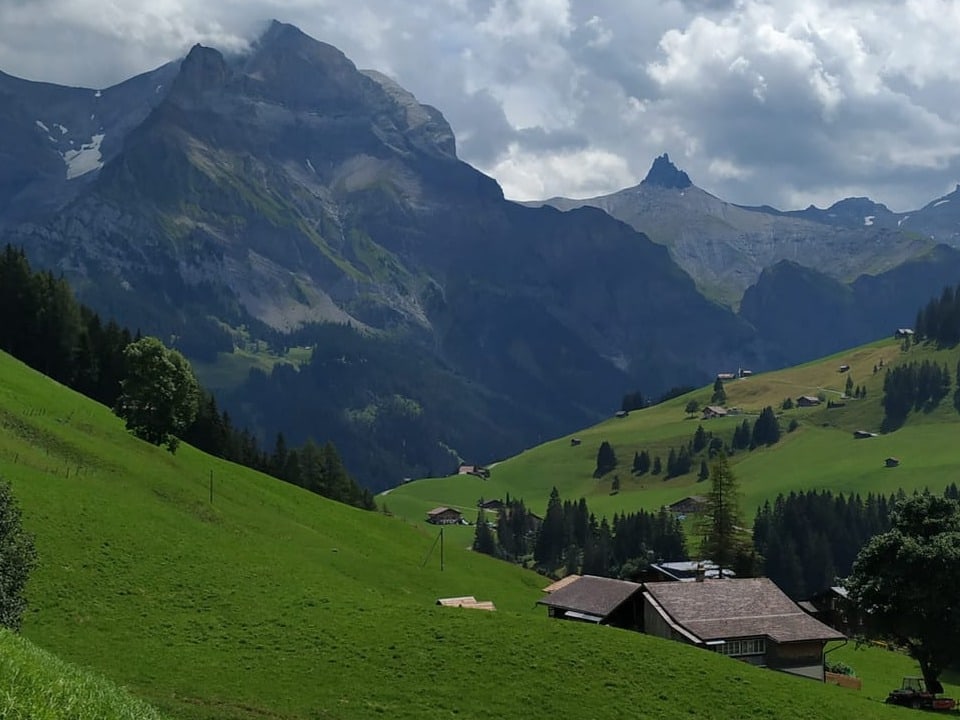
[803, 658]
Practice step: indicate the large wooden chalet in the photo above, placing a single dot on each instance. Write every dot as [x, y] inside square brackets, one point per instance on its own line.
[750, 619]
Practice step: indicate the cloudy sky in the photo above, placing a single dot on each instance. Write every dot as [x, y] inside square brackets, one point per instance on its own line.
[787, 103]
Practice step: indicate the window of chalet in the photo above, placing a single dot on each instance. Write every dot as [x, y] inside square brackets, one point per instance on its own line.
[738, 648]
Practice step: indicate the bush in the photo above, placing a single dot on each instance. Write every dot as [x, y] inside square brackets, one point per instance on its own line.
[17, 558]
[839, 668]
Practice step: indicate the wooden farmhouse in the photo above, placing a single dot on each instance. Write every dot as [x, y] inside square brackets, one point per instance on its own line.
[444, 516]
[599, 600]
[749, 619]
[808, 401]
[714, 411]
[689, 505]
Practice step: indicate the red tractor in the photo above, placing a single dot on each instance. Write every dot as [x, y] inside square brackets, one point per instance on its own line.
[917, 694]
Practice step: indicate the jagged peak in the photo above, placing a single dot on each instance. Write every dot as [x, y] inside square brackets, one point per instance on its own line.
[283, 38]
[664, 173]
[202, 69]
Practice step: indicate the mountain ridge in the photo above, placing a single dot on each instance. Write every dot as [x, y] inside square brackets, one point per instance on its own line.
[271, 192]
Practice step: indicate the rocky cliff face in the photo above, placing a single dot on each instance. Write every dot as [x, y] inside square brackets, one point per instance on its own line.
[270, 195]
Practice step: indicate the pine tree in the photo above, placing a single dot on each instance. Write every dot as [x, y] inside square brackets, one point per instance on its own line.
[704, 471]
[606, 459]
[719, 396]
[483, 539]
[720, 523]
[644, 462]
[699, 439]
[657, 466]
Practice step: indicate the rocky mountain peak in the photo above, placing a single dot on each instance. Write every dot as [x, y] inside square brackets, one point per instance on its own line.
[202, 69]
[664, 173]
[291, 68]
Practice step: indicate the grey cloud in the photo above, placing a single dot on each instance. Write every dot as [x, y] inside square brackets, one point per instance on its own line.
[800, 100]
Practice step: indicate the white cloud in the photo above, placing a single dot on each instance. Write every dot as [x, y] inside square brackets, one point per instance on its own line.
[528, 175]
[761, 101]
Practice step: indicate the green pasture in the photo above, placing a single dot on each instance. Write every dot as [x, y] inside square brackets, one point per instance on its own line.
[821, 453]
[269, 602]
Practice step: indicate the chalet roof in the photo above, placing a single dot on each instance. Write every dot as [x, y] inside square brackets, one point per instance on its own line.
[809, 398]
[715, 410]
[729, 609]
[688, 499]
[441, 510]
[561, 583]
[686, 570]
[592, 595]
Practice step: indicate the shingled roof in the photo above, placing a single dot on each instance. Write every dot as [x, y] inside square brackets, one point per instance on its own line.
[592, 595]
[727, 609]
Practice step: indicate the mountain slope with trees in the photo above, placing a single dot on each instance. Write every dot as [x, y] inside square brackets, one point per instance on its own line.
[284, 193]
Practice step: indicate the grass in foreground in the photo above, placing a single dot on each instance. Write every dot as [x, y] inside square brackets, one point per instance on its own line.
[35, 685]
[272, 602]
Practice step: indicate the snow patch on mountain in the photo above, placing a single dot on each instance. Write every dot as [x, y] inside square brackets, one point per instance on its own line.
[86, 159]
[868, 220]
[42, 126]
[940, 202]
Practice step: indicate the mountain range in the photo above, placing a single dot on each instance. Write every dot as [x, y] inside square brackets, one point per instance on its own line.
[726, 247]
[283, 197]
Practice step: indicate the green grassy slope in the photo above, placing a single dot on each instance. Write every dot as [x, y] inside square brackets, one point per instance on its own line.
[272, 602]
[39, 686]
[820, 454]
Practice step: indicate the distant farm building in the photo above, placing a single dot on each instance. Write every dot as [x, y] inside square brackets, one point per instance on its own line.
[843, 368]
[685, 571]
[903, 333]
[745, 373]
[726, 376]
[688, 505]
[477, 470]
[444, 516]
[599, 600]
[575, 441]
[621, 413]
[495, 505]
[748, 619]
[861, 434]
[833, 607]
[714, 411]
[891, 462]
[808, 401]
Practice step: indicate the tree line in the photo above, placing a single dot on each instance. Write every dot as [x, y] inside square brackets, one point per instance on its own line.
[45, 327]
[913, 387]
[939, 320]
[570, 539]
[699, 450]
[808, 539]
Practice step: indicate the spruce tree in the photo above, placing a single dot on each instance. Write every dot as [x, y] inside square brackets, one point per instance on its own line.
[721, 525]
[606, 459]
[483, 540]
[719, 396]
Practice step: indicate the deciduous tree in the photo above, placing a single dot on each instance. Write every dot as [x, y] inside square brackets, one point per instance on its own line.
[906, 582]
[160, 393]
